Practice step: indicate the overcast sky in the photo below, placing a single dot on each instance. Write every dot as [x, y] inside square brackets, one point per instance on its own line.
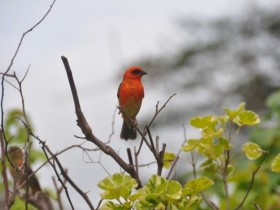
[99, 38]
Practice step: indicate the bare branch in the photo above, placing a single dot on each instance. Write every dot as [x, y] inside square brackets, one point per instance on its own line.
[178, 154]
[25, 33]
[159, 110]
[160, 160]
[58, 193]
[86, 129]
[21, 81]
[62, 171]
[129, 156]
[3, 140]
[64, 174]
[113, 126]
[56, 172]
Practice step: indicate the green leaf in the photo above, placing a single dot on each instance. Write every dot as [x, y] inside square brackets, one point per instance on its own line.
[37, 155]
[157, 194]
[224, 143]
[116, 186]
[252, 150]
[173, 190]
[212, 151]
[232, 113]
[247, 118]
[190, 145]
[149, 195]
[201, 122]
[139, 195]
[198, 185]
[275, 166]
[14, 128]
[223, 119]
[211, 131]
[20, 204]
[157, 184]
[168, 159]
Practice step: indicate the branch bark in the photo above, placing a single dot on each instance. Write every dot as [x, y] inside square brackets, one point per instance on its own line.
[87, 131]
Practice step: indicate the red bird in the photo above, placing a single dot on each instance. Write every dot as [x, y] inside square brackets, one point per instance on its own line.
[130, 95]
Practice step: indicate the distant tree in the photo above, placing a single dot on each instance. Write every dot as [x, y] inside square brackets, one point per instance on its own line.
[222, 61]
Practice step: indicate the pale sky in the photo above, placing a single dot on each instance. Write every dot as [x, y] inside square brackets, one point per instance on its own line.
[99, 38]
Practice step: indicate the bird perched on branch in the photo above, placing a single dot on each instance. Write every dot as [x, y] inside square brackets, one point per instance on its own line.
[20, 170]
[130, 95]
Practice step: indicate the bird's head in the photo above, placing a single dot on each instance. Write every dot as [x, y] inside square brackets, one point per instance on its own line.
[134, 72]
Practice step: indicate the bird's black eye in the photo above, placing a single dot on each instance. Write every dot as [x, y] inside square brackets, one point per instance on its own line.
[136, 71]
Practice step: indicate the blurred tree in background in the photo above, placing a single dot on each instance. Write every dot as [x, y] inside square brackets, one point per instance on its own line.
[220, 62]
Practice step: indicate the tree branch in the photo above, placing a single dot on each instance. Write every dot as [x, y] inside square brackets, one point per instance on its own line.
[4, 140]
[86, 129]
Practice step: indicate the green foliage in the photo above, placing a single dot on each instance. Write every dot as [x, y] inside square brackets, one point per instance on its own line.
[14, 128]
[168, 159]
[20, 204]
[17, 134]
[119, 185]
[242, 117]
[268, 137]
[275, 166]
[214, 141]
[159, 193]
[198, 185]
[252, 150]
[216, 146]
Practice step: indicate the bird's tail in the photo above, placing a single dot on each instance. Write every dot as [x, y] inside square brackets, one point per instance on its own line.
[128, 132]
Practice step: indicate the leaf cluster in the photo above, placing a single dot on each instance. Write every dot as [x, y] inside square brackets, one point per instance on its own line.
[218, 151]
[159, 193]
[216, 139]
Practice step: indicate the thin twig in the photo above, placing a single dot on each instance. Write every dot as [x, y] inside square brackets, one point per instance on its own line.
[28, 145]
[11, 84]
[224, 171]
[64, 174]
[113, 126]
[99, 203]
[46, 150]
[160, 160]
[178, 154]
[159, 110]
[56, 172]
[58, 193]
[251, 182]
[150, 138]
[129, 156]
[136, 161]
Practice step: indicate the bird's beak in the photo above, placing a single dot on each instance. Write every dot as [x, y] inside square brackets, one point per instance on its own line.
[143, 73]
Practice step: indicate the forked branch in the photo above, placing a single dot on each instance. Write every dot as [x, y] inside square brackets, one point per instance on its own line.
[86, 129]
